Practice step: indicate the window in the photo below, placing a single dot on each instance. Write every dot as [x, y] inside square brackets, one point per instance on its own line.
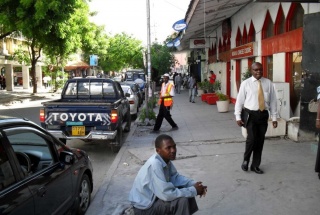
[244, 35]
[270, 67]
[31, 148]
[239, 38]
[280, 22]
[268, 27]
[252, 33]
[6, 174]
[295, 16]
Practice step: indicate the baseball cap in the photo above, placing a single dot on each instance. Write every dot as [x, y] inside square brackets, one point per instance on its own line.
[166, 75]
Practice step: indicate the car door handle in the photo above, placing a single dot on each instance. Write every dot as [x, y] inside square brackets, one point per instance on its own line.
[42, 191]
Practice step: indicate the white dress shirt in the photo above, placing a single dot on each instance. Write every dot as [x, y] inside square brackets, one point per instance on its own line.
[248, 97]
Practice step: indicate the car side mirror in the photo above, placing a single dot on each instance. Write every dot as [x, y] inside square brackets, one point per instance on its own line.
[127, 94]
[66, 157]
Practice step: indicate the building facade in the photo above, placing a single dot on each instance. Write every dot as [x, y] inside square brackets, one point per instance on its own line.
[270, 33]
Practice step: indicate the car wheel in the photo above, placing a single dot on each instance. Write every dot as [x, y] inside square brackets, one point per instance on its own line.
[84, 195]
[128, 125]
[115, 147]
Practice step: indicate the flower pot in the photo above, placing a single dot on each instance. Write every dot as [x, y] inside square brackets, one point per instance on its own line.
[205, 95]
[223, 106]
[200, 92]
[212, 99]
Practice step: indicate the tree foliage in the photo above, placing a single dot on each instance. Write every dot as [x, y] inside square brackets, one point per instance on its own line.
[94, 41]
[52, 25]
[161, 59]
[123, 51]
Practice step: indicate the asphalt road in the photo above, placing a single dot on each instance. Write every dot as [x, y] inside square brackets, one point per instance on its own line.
[99, 153]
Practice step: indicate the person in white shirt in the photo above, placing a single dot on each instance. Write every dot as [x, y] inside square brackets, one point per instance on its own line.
[258, 111]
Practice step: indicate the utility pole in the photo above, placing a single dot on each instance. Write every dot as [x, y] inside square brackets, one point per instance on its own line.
[148, 58]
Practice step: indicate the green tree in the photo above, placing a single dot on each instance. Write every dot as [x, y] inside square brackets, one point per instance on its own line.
[161, 59]
[123, 51]
[44, 25]
[94, 41]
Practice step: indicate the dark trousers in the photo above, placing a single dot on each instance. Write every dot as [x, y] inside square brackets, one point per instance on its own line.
[256, 130]
[164, 112]
[317, 167]
[180, 206]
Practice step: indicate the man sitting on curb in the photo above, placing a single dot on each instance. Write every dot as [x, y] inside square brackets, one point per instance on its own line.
[160, 189]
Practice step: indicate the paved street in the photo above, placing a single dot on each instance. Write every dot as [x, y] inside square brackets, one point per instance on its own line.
[210, 149]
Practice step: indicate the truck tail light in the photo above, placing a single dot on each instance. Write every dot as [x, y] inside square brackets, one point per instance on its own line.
[42, 116]
[114, 116]
[131, 102]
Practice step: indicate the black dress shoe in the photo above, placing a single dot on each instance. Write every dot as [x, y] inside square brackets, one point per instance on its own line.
[155, 131]
[256, 170]
[244, 166]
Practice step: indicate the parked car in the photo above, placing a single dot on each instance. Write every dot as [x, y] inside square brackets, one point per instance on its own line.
[133, 99]
[138, 76]
[39, 174]
[136, 89]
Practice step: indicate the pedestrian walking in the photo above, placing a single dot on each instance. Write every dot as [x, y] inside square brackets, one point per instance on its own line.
[1, 82]
[4, 84]
[165, 102]
[178, 83]
[158, 187]
[256, 97]
[192, 88]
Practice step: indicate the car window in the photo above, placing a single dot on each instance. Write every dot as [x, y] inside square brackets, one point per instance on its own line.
[119, 89]
[6, 173]
[139, 76]
[108, 89]
[96, 88]
[32, 149]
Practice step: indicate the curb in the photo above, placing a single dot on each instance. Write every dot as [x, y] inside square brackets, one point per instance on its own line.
[97, 204]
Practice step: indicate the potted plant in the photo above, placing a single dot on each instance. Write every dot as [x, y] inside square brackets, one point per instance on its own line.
[223, 102]
[205, 87]
[201, 89]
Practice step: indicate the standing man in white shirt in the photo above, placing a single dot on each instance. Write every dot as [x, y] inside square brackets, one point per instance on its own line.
[258, 106]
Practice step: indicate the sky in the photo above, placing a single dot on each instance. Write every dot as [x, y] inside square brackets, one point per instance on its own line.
[130, 16]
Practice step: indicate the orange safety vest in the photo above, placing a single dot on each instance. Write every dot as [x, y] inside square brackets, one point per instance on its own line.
[168, 102]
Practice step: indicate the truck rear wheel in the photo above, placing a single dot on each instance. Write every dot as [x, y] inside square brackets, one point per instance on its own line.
[117, 142]
[128, 120]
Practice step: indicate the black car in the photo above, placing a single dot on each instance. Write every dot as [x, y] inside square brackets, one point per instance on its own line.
[39, 174]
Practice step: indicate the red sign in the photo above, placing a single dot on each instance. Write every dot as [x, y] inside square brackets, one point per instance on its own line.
[243, 51]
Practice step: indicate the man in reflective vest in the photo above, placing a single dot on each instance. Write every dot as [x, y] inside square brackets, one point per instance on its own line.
[165, 102]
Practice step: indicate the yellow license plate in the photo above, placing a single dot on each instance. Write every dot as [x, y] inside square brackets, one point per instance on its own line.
[78, 130]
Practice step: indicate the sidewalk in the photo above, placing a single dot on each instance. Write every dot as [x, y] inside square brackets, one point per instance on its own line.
[210, 149]
[20, 95]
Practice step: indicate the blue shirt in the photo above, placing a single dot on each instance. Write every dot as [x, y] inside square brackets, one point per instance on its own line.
[158, 179]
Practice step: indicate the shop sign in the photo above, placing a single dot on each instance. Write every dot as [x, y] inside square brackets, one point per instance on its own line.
[179, 25]
[199, 43]
[244, 51]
